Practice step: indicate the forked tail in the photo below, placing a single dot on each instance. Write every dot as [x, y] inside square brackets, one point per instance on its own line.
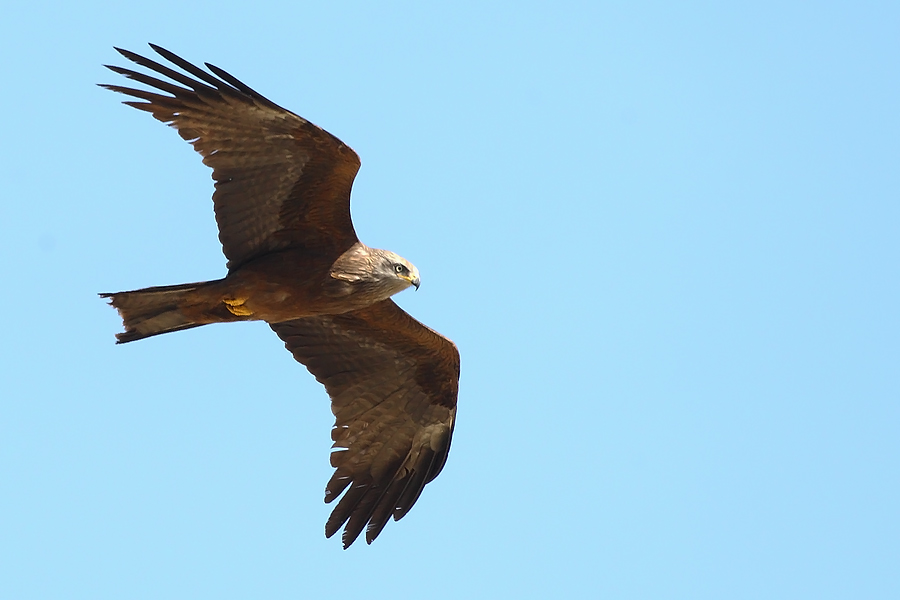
[154, 310]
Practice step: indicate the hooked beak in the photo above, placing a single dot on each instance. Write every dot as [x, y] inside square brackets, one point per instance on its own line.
[415, 282]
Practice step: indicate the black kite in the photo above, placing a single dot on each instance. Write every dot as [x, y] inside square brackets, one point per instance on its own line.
[282, 204]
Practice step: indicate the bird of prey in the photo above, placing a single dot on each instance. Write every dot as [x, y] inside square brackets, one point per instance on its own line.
[282, 204]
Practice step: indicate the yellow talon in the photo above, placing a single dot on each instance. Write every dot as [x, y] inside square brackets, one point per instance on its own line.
[236, 307]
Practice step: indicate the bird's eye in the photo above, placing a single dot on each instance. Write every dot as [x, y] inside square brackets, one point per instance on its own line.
[398, 268]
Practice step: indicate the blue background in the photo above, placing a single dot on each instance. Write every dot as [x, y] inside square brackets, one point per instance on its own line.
[663, 235]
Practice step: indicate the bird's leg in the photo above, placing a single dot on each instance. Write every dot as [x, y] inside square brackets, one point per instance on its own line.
[236, 307]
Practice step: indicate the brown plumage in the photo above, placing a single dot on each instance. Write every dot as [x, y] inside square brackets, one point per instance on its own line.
[282, 204]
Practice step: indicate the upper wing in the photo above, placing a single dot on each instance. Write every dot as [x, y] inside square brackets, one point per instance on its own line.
[280, 180]
[393, 384]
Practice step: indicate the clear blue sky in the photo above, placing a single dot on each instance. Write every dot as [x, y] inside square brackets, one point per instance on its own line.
[665, 237]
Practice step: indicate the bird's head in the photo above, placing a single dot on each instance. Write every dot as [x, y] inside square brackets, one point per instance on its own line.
[396, 270]
[377, 274]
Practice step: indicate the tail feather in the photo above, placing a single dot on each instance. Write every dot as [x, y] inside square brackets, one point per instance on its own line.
[152, 311]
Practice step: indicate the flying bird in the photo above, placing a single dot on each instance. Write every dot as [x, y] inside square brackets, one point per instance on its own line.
[282, 205]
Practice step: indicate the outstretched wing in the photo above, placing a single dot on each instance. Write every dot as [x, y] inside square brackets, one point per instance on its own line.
[280, 181]
[393, 384]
